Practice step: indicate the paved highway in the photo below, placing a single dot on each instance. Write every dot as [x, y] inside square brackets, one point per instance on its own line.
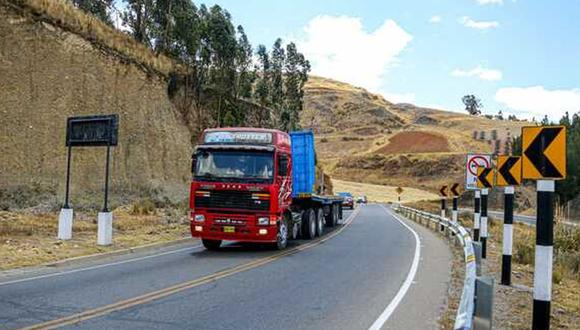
[373, 271]
[531, 221]
[526, 219]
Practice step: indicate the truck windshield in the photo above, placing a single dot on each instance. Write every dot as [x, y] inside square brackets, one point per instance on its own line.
[214, 165]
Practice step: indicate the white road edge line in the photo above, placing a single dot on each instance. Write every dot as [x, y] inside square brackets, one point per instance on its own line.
[77, 270]
[378, 324]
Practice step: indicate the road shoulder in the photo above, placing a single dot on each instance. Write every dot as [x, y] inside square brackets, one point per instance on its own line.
[426, 299]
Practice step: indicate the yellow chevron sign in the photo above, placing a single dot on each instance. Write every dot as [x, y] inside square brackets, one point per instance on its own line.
[544, 152]
[509, 171]
[485, 177]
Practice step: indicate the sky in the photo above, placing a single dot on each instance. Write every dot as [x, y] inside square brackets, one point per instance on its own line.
[519, 56]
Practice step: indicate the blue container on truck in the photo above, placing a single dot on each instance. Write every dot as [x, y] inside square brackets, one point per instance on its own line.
[303, 163]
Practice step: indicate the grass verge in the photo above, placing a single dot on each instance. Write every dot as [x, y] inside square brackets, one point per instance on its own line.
[513, 304]
[28, 239]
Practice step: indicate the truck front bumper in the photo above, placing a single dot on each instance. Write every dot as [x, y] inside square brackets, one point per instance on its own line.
[216, 227]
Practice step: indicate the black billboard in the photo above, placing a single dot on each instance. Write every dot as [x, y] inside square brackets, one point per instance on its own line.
[92, 131]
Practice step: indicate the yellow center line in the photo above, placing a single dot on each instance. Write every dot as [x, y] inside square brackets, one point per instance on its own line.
[155, 295]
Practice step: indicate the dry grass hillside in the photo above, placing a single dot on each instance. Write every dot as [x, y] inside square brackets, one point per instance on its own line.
[48, 74]
[363, 137]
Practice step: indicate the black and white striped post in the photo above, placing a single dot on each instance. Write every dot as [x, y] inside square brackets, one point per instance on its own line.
[443, 206]
[483, 222]
[543, 255]
[476, 215]
[508, 235]
[455, 212]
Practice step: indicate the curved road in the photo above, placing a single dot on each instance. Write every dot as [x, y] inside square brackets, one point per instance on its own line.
[369, 272]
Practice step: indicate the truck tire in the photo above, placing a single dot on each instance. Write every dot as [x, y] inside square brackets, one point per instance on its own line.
[282, 235]
[309, 224]
[319, 222]
[329, 218]
[211, 244]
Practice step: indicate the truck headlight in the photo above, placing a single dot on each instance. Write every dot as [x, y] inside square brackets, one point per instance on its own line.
[199, 218]
[263, 221]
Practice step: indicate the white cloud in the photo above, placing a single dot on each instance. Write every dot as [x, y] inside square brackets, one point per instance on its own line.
[338, 47]
[490, 2]
[536, 101]
[479, 72]
[479, 25]
[435, 19]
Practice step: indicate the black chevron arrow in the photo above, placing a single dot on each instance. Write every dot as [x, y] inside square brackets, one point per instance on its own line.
[535, 152]
[454, 189]
[443, 191]
[483, 177]
[505, 171]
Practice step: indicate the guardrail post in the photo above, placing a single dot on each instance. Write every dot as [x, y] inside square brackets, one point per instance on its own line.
[483, 319]
[477, 253]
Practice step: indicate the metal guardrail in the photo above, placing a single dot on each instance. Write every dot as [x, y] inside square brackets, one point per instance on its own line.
[465, 312]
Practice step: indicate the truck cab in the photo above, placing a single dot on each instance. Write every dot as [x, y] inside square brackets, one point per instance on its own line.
[241, 185]
[256, 185]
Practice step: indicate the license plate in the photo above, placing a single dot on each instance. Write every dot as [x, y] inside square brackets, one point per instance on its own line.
[229, 229]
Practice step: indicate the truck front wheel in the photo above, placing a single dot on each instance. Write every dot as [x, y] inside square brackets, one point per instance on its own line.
[211, 244]
[309, 224]
[282, 236]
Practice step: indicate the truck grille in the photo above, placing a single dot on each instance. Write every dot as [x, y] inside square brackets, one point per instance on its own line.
[231, 199]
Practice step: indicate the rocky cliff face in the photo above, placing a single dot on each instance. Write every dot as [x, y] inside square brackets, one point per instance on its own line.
[47, 75]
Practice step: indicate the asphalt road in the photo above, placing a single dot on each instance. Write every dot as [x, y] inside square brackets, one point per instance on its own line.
[364, 273]
[531, 221]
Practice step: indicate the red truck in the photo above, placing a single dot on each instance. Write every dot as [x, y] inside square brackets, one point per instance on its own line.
[257, 185]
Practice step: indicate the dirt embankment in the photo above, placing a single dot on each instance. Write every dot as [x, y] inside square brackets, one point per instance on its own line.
[415, 142]
[48, 74]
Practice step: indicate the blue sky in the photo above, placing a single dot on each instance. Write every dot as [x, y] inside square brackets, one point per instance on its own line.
[519, 56]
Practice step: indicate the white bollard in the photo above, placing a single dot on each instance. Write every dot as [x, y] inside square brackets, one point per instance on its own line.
[105, 228]
[65, 223]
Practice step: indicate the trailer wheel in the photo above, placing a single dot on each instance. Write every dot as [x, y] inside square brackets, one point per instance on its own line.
[309, 224]
[329, 218]
[211, 244]
[319, 222]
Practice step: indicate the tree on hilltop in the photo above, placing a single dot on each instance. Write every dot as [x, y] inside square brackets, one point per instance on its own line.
[472, 104]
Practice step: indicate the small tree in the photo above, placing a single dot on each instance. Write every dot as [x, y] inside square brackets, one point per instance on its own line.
[473, 104]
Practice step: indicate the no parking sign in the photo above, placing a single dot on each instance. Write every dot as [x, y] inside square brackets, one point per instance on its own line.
[473, 161]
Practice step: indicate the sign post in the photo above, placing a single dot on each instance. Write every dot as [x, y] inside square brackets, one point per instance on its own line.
[472, 163]
[509, 174]
[455, 192]
[443, 192]
[544, 160]
[485, 179]
[399, 191]
[89, 131]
